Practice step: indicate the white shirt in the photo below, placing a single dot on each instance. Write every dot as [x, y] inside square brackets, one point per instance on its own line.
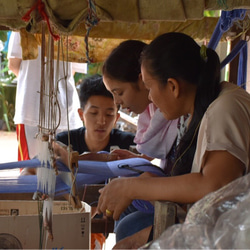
[28, 88]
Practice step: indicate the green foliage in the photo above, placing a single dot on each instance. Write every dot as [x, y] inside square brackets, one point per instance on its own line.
[7, 100]
[93, 68]
[6, 76]
[212, 13]
[3, 35]
[8, 110]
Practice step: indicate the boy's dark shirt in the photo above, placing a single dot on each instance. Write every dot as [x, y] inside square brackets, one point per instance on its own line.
[118, 138]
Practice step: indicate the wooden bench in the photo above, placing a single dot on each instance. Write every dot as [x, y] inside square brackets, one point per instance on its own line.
[165, 216]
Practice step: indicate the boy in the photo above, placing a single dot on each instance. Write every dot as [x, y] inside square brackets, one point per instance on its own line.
[99, 114]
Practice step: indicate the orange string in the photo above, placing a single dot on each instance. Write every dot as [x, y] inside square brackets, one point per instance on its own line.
[39, 5]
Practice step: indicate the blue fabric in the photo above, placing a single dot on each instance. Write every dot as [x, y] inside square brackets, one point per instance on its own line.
[225, 22]
[132, 221]
[89, 172]
[234, 52]
[241, 49]
[28, 184]
[242, 67]
[5, 49]
[143, 206]
[126, 167]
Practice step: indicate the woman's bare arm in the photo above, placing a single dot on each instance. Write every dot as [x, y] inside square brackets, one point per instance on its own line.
[219, 168]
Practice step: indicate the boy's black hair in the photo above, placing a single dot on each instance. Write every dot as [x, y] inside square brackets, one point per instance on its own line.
[92, 86]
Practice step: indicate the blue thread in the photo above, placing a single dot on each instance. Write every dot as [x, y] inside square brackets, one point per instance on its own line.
[91, 21]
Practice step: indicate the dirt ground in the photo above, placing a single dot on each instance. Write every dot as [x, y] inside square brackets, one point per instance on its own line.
[8, 152]
[8, 146]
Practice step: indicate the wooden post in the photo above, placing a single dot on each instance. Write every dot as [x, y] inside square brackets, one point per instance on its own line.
[165, 216]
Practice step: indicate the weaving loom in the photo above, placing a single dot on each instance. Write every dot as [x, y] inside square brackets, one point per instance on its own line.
[89, 172]
[55, 178]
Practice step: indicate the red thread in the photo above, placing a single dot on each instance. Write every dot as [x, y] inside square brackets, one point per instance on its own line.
[26, 17]
[39, 5]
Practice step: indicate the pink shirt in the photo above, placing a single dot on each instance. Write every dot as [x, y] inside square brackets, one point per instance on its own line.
[155, 135]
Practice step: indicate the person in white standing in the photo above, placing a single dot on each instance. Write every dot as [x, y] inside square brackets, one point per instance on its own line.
[27, 106]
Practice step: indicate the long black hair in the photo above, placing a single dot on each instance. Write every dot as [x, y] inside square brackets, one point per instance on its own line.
[123, 63]
[176, 55]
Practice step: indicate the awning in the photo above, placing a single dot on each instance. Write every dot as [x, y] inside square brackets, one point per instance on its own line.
[116, 20]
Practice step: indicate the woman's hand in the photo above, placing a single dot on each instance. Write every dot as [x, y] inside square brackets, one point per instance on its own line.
[61, 153]
[125, 154]
[114, 198]
[117, 195]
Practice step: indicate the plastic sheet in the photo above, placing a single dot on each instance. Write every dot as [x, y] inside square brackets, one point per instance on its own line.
[221, 220]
